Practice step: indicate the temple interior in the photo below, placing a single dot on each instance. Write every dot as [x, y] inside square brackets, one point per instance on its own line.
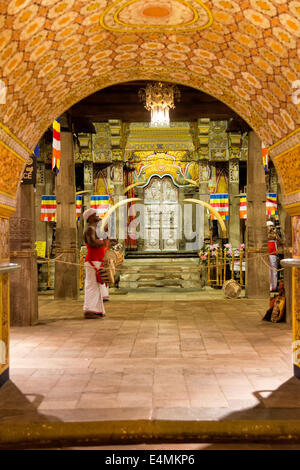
[149, 224]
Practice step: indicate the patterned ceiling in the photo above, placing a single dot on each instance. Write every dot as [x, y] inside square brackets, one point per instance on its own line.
[53, 53]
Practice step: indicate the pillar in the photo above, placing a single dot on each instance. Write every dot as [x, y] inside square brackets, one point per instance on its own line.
[120, 214]
[13, 155]
[204, 192]
[66, 275]
[23, 283]
[234, 203]
[257, 271]
[88, 177]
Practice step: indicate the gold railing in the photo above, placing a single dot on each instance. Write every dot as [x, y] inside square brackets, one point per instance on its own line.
[221, 266]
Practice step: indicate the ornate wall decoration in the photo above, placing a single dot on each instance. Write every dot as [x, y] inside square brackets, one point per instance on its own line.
[296, 236]
[4, 317]
[233, 171]
[11, 168]
[288, 167]
[135, 16]
[101, 143]
[4, 239]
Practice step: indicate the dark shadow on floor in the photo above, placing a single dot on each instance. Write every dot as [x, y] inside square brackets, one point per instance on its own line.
[16, 407]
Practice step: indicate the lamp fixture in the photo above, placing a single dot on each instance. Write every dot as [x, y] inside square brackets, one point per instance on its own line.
[158, 98]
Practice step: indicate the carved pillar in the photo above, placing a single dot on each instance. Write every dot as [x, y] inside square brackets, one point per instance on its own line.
[23, 283]
[66, 275]
[234, 147]
[257, 273]
[204, 192]
[13, 155]
[286, 157]
[204, 171]
[88, 176]
[234, 202]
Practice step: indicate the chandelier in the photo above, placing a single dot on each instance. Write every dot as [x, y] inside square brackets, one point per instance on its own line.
[158, 98]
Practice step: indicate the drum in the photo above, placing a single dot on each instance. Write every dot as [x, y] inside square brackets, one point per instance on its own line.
[108, 272]
[232, 289]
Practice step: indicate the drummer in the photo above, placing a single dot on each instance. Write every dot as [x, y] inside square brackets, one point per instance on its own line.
[96, 247]
[105, 237]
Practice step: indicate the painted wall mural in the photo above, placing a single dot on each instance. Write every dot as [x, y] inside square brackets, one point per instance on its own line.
[176, 165]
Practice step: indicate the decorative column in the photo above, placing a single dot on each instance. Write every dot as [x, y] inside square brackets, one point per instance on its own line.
[203, 153]
[235, 142]
[257, 271]
[286, 158]
[13, 155]
[23, 283]
[66, 275]
[88, 177]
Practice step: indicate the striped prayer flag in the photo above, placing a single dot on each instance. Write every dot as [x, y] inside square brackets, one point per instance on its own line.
[100, 203]
[78, 207]
[243, 207]
[56, 146]
[265, 157]
[220, 203]
[271, 204]
[48, 209]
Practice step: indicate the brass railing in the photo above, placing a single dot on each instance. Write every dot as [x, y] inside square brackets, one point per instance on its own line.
[221, 266]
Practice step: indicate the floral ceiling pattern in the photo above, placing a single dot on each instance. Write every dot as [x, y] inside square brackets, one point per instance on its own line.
[246, 53]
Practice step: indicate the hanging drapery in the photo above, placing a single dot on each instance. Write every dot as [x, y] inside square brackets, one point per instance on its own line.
[48, 209]
[78, 207]
[131, 242]
[221, 204]
[243, 207]
[271, 204]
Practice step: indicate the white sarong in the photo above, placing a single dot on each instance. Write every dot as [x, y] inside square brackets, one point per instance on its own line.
[273, 273]
[93, 296]
[105, 291]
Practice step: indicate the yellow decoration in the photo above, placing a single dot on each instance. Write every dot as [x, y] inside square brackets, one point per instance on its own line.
[40, 248]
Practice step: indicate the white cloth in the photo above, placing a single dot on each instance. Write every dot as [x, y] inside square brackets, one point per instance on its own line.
[93, 297]
[273, 274]
[105, 291]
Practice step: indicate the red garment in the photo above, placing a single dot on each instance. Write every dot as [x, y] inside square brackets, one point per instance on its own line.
[272, 245]
[95, 254]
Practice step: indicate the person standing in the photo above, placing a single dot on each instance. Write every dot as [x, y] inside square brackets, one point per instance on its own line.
[93, 290]
[273, 238]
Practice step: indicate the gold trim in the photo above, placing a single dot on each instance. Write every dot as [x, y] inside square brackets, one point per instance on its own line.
[6, 211]
[292, 209]
[284, 138]
[15, 138]
[152, 28]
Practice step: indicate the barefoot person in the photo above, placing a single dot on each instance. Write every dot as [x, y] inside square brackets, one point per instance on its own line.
[93, 290]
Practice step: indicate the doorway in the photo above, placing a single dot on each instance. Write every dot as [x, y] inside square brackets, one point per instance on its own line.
[161, 215]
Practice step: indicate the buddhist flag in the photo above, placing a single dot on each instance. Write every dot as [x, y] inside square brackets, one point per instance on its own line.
[271, 204]
[265, 157]
[243, 207]
[220, 203]
[78, 207]
[48, 209]
[56, 146]
[100, 203]
[37, 151]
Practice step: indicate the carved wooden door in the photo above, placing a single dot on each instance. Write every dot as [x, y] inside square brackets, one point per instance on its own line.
[161, 215]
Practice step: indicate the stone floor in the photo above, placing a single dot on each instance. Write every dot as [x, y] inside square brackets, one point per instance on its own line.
[172, 355]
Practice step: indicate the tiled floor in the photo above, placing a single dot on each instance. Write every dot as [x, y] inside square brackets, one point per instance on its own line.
[155, 356]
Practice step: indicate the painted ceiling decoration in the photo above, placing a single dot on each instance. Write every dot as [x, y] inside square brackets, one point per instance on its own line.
[245, 53]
